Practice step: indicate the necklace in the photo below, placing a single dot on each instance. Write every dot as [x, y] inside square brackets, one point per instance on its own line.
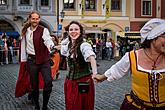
[154, 65]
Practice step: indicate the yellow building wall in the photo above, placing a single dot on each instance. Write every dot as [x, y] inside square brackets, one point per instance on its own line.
[98, 11]
[114, 25]
[115, 14]
[128, 7]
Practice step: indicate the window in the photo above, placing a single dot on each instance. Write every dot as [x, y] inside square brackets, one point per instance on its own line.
[90, 5]
[69, 4]
[116, 5]
[3, 2]
[25, 2]
[146, 7]
[44, 2]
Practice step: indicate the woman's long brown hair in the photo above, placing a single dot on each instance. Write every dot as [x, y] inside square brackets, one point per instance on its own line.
[73, 47]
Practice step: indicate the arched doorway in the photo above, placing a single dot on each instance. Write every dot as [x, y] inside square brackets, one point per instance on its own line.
[5, 26]
[7, 29]
[9, 42]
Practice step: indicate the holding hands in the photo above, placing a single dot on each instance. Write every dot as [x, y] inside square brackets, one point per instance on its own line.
[99, 77]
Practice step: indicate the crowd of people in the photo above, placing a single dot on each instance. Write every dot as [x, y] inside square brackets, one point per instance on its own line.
[41, 56]
[8, 49]
[109, 49]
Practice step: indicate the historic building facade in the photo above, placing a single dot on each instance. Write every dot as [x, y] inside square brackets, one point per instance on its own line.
[99, 17]
[143, 10]
[13, 13]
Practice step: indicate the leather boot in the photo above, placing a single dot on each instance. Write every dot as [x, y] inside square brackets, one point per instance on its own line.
[46, 96]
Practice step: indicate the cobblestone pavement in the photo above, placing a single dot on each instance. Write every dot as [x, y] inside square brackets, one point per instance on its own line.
[108, 95]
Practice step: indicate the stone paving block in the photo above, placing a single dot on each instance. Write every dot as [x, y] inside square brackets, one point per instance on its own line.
[108, 95]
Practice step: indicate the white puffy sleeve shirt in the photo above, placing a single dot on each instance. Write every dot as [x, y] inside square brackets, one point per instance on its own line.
[119, 69]
[85, 48]
[122, 67]
[29, 39]
[47, 39]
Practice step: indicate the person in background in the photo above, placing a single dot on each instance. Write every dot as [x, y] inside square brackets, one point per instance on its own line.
[55, 58]
[10, 50]
[36, 46]
[136, 45]
[79, 85]
[117, 47]
[15, 51]
[6, 51]
[1, 50]
[99, 48]
[147, 66]
[89, 40]
[113, 48]
[63, 61]
[109, 49]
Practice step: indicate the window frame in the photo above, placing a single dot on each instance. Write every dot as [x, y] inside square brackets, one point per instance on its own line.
[68, 8]
[45, 5]
[95, 5]
[3, 4]
[24, 3]
[120, 6]
[142, 14]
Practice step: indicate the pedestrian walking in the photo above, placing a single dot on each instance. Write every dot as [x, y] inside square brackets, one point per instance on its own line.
[79, 85]
[147, 66]
[109, 49]
[36, 45]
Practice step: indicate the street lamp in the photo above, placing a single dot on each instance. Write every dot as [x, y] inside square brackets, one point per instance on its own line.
[62, 13]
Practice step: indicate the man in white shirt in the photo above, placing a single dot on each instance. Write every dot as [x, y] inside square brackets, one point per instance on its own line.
[37, 47]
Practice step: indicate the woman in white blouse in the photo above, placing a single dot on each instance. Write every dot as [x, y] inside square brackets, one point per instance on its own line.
[78, 86]
[147, 66]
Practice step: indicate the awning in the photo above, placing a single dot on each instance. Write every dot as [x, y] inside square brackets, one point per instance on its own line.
[131, 34]
[1, 33]
[94, 31]
[106, 30]
[13, 34]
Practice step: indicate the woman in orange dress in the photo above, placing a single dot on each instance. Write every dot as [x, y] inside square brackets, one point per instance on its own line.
[55, 58]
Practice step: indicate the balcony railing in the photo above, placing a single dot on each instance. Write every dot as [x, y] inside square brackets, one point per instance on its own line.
[27, 8]
[3, 7]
